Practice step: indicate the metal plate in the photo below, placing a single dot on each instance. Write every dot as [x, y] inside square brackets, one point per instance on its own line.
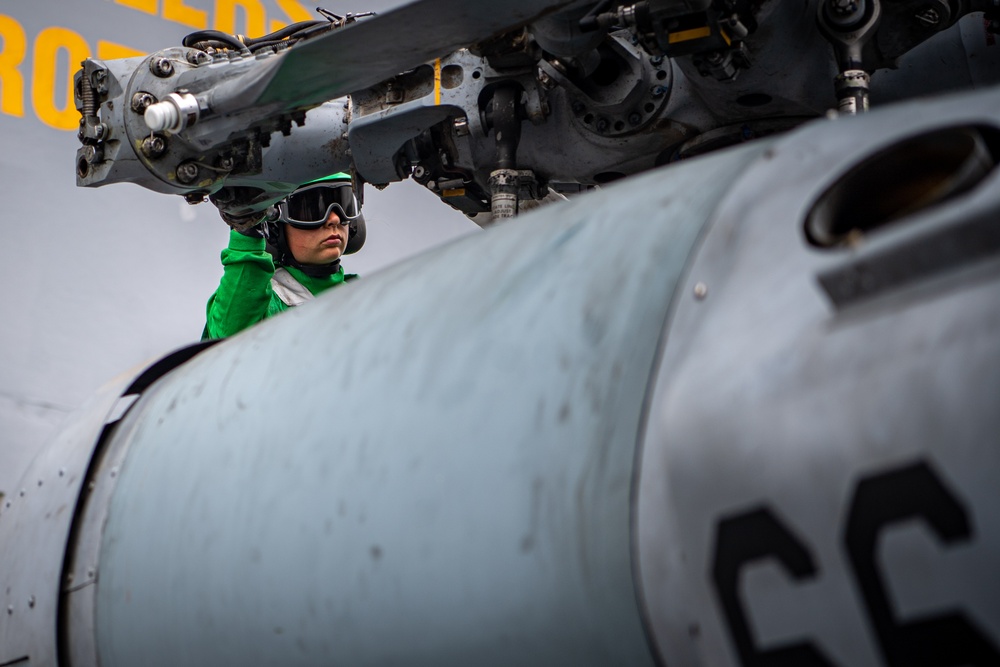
[34, 527]
[819, 484]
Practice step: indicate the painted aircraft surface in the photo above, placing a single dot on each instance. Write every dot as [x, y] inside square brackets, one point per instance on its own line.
[736, 407]
[103, 280]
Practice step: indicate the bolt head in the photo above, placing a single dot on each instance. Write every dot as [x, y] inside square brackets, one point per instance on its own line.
[187, 172]
[161, 67]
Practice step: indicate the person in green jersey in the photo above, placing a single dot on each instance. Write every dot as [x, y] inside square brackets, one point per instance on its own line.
[289, 259]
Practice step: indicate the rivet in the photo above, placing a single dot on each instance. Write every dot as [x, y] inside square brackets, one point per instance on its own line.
[10, 609]
[114, 472]
[90, 486]
[39, 482]
[21, 493]
[90, 573]
[62, 472]
[31, 602]
[700, 290]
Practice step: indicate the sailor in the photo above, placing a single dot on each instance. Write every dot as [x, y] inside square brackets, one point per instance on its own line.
[289, 259]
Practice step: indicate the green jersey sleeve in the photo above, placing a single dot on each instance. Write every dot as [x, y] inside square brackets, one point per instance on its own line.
[244, 296]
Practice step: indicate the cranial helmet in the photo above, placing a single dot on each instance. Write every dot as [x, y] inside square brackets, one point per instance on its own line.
[308, 208]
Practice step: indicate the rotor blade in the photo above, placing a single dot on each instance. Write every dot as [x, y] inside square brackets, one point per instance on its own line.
[365, 53]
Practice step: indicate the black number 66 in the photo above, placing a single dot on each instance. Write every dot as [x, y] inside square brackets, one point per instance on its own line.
[911, 492]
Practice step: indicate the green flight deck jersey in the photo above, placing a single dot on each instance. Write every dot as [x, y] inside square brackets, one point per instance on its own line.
[252, 289]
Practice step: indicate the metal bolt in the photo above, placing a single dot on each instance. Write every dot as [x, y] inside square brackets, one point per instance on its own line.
[161, 67]
[100, 130]
[843, 7]
[928, 18]
[91, 486]
[90, 573]
[10, 609]
[197, 58]
[226, 164]
[153, 146]
[656, 60]
[634, 118]
[187, 172]
[602, 124]
[658, 91]
[141, 101]
[194, 198]
[700, 290]
[31, 602]
[99, 81]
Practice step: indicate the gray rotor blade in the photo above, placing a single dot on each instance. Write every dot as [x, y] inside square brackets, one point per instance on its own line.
[373, 50]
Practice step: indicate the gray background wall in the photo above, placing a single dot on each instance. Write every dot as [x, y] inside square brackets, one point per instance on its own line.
[100, 281]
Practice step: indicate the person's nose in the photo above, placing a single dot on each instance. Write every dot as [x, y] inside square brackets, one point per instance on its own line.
[333, 219]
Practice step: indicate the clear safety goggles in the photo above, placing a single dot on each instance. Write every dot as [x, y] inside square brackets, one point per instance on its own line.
[310, 206]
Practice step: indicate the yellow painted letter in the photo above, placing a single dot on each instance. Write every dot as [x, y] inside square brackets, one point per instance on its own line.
[11, 79]
[49, 43]
[253, 11]
[295, 12]
[148, 6]
[176, 10]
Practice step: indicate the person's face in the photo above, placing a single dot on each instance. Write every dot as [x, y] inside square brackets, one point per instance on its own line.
[321, 245]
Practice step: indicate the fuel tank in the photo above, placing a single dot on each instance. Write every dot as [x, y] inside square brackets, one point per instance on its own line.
[738, 409]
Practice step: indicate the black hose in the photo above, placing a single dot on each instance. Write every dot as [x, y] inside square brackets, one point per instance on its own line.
[214, 36]
[287, 31]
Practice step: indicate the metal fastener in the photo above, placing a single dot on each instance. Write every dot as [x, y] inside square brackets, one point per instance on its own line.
[153, 146]
[161, 67]
[187, 172]
[31, 602]
[843, 7]
[928, 18]
[142, 101]
[700, 290]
